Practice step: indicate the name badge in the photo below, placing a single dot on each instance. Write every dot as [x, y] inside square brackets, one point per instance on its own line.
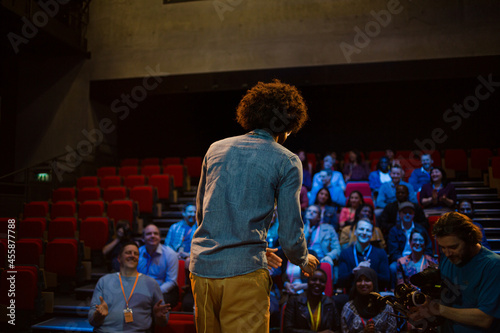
[128, 315]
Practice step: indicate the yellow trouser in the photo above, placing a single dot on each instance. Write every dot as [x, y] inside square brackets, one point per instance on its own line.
[232, 305]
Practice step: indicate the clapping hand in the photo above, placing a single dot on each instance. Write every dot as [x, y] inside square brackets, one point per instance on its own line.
[160, 310]
[101, 310]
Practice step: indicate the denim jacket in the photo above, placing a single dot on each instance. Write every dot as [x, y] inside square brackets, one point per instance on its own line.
[242, 178]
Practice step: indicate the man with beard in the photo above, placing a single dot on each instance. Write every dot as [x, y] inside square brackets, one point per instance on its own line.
[181, 233]
[470, 298]
[127, 301]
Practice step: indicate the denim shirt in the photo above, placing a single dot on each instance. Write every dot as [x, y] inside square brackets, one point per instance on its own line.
[242, 178]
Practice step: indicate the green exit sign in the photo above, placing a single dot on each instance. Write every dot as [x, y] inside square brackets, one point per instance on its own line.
[43, 177]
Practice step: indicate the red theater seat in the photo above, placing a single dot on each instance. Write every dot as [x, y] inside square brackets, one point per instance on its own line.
[61, 257]
[62, 227]
[94, 232]
[128, 170]
[134, 180]
[106, 171]
[63, 209]
[178, 172]
[87, 181]
[28, 251]
[164, 185]
[91, 208]
[479, 158]
[63, 194]
[122, 210]
[150, 170]
[111, 181]
[329, 281]
[36, 209]
[26, 287]
[89, 193]
[363, 187]
[115, 193]
[32, 227]
[145, 196]
[455, 159]
[193, 165]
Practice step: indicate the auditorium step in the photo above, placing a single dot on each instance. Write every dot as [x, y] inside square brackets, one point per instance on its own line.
[488, 222]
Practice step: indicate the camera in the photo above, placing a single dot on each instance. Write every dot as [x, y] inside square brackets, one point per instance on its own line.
[426, 284]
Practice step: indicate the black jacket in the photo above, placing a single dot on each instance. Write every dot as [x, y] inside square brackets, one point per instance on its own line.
[298, 320]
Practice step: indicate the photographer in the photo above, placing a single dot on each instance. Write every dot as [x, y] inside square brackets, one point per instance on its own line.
[113, 248]
[470, 297]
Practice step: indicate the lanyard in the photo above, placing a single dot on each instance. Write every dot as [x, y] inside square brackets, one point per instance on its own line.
[316, 236]
[315, 322]
[363, 322]
[356, 254]
[123, 291]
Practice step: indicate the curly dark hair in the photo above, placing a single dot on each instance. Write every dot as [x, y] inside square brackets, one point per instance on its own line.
[275, 106]
[459, 225]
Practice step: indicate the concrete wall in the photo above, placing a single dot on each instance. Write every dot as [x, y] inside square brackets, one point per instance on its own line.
[125, 36]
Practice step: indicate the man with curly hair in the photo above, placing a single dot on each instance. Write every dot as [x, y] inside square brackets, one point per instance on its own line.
[242, 179]
[470, 296]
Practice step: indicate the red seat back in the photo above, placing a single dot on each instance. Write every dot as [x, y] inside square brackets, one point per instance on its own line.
[26, 282]
[62, 227]
[164, 184]
[63, 209]
[91, 208]
[63, 194]
[106, 171]
[150, 161]
[134, 180]
[363, 187]
[455, 159]
[479, 158]
[144, 196]
[150, 170]
[87, 181]
[28, 251]
[193, 165]
[115, 193]
[32, 227]
[89, 193]
[128, 170]
[108, 181]
[122, 210]
[94, 232]
[36, 209]
[61, 257]
[177, 172]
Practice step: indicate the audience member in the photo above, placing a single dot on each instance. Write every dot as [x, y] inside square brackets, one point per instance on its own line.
[306, 169]
[466, 207]
[361, 315]
[181, 233]
[439, 195]
[161, 263]
[470, 293]
[312, 311]
[399, 236]
[348, 236]
[379, 176]
[328, 211]
[112, 311]
[348, 213]
[387, 192]
[304, 199]
[391, 155]
[362, 254]
[321, 237]
[416, 261]
[355, 169]
[337, 177]
[390, 214]
[336, 193]
[114, 248]
[421, 176]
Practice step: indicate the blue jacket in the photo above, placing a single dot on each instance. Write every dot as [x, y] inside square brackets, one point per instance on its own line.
[387, 194]
[378, 262]
[374, 180]
[397, 241]
[418, 178]
[241, 179]
[328, 238]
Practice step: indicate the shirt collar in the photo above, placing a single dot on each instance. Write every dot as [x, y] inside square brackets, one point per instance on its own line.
[262, 133]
